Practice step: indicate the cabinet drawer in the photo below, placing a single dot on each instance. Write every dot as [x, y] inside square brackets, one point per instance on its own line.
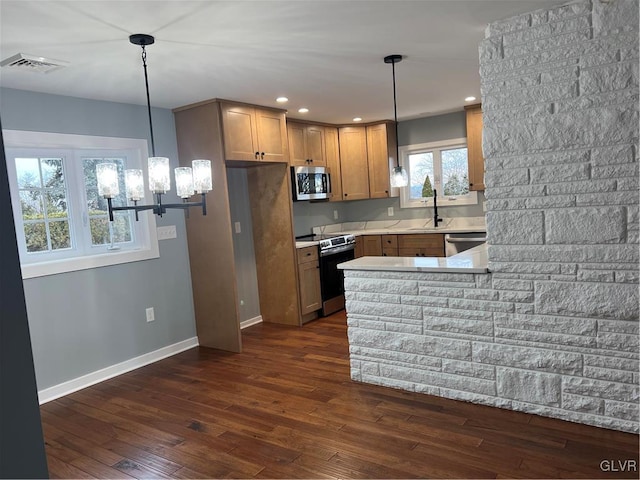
[307, 254]
[389, 251]
[432, 240]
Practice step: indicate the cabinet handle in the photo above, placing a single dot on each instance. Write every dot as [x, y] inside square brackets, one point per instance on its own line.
[471, 184]
[262, 156]
[345, 194]
[386, 191]
[256, 155]
[308, 254]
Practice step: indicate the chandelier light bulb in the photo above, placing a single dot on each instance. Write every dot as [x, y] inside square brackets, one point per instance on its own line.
[107, 176]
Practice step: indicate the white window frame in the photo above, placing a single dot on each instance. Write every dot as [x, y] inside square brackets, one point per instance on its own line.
[85, 256]
[443, 201]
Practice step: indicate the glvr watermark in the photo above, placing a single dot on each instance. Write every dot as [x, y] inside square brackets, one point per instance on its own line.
[619, 465]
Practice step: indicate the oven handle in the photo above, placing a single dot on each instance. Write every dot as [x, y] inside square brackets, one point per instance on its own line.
[340, 249]
[464, 239]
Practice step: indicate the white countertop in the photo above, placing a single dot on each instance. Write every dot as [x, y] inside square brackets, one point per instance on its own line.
[400, 227]
[469, 261]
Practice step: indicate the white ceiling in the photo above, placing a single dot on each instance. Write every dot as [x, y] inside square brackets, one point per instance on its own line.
[325, 55]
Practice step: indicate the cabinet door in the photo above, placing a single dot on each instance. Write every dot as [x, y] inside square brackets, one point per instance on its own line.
[372, 246]
[359, 251]
[474, 147]
[332, 152]
[378, 158]
[272, 136]
[314, 141]
[297, 151]
[310, 296]
[353, 162]
[239, 131]
[421, 245]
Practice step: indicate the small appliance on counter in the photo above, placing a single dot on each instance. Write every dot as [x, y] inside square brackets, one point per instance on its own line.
[310, 183]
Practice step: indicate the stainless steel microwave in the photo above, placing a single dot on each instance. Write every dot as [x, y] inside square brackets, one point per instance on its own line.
[310, 183]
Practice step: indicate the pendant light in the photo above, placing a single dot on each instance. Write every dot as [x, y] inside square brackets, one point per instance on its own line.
[399, 177]
[192, 180]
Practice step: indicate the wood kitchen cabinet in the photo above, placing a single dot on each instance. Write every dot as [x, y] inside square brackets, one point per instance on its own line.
[381, 156]
[332, 151]
[421, 245]
[306, 144]
[254, 134]
[372, 246]
[366, 155]
[474, 147]
[309, 278]
[353, 163]
[359, 248]
[389, 245]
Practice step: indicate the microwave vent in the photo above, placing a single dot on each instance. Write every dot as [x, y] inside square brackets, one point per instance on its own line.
[32, 63]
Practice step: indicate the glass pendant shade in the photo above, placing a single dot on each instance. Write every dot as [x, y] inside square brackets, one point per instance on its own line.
[184, 182]
[399, 177]
[159, 174]
[134, 183]
[107, 176]
[202, 177]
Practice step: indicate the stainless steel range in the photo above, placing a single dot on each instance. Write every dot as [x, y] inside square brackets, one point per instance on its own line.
[333, 249]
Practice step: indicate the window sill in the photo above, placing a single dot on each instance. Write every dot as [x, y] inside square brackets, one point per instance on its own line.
[55, 267]
[470, 199]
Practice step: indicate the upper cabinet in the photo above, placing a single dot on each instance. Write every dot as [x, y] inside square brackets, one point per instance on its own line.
[253, 133]
[332, 151]
[474, 147]
[366, 153]
[353, 162]
[381, 155]
[306, 144]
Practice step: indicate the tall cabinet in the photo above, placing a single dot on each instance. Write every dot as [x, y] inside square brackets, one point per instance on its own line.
[229, 135]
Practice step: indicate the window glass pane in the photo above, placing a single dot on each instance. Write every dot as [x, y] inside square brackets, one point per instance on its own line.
[99, 230]
[122, 227]
[31, 205]
[421, 175]
[60, 236]
[36, 237]
[28, 173]
[56, 204]
[455, 172]
[52, 173]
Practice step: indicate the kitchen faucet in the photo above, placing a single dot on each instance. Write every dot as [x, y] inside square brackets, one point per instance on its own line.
[436, 219]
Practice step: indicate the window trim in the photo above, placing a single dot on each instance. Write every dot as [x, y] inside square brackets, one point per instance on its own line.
[405, 200]
[148, 246]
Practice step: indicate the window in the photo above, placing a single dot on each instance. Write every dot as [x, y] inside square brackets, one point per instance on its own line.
[61, 222]
[440, 166]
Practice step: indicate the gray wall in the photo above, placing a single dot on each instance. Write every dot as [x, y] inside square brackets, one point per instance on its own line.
[84, 321]
[411, 132]
[243, 251]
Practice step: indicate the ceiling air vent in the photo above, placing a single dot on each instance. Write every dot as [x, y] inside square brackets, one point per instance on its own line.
[33, 63]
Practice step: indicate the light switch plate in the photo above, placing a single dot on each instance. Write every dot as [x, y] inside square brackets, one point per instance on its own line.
[237, 227]
[166, 232]
[390, 211]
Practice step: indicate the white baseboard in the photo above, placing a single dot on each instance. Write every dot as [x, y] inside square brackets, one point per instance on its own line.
[251, 321]
[65, 388]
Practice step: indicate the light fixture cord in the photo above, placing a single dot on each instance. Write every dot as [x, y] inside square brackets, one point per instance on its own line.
[146, 85]
[395, 112]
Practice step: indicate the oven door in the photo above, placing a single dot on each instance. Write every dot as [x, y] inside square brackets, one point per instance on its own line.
[332, 278]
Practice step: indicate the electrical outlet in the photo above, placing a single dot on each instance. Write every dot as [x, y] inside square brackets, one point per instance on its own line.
[390, 211]
[237, 227]
[335, 214]
[166, 232]
[151, 316]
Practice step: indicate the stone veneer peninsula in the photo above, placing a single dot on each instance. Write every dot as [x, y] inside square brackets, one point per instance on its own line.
[552, 327]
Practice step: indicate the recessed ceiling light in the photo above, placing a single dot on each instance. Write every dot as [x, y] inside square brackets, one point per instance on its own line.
[303, 110]
[357, 119]
[282, 99]
[469, 99]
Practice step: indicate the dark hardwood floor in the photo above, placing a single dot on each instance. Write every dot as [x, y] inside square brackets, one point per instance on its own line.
[286, 408]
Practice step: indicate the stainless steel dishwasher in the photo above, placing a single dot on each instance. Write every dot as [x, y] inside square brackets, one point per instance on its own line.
[459, 242]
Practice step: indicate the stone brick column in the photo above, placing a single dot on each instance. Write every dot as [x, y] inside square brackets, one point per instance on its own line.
[560, 109]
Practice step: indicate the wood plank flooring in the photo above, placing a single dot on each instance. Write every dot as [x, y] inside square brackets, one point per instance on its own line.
[286, 408]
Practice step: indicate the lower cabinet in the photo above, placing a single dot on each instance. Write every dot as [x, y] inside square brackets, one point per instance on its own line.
[421, 245]
[400, 245]
[309, 278]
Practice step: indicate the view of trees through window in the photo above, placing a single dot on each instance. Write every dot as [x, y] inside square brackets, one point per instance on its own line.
[45, 206]
[444, 170]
